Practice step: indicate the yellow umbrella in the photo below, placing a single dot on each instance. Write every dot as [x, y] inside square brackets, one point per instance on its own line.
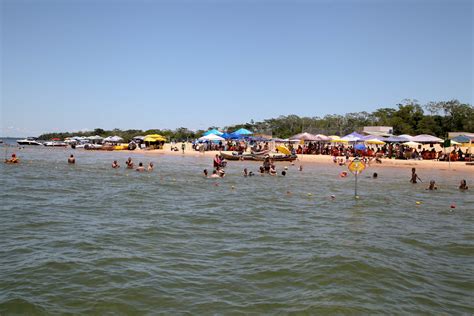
[154, 138]
[283, 150]
[334, 137]
[339, 141]
[375, 142]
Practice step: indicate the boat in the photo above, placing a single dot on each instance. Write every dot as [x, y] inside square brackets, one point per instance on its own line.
[55, 143]
[29, 141]
[275, 157]
[236, 156]
[258, 153]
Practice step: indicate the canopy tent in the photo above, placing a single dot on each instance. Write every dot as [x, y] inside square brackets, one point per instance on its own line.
[375, 142]
[154, 138]
[113, 139]
[424, 138]
[412, 144]
[380, 134]
[305, 137]
[230, 136]
[462, 139]
[353, 137]
[333, 137]
[211, 137]
[397, 139]
[370, 137]
[406, 136]
[212, 131]
[242, 131]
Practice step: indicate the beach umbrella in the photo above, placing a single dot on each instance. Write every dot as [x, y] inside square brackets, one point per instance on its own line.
[412, 144]
[342, 141]
[304, 137]
[424, 138]
[360, 147]
[334, 137]
[375, 142]
[212, 131]
[406, 137]
[154, 138]
[322, 137]
[283, 150]
[113, 139]
[353, 137]
[211, 137]
[96, 137]
[243, 131]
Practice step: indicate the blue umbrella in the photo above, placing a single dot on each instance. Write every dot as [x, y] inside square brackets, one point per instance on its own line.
[212, 131]
[243, 131]
[360, 147]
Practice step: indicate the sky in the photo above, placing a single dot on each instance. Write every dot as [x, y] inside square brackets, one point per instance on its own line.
[84, 64]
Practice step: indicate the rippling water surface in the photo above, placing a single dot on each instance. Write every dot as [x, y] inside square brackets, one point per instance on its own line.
[89, 239]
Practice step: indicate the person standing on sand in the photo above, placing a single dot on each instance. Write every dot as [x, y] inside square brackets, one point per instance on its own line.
[71, 159]
[183, 147]
[414, 176]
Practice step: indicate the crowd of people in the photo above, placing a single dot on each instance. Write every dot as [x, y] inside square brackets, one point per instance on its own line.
[267, 168]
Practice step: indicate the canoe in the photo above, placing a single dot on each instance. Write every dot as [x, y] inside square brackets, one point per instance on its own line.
[276, 157]
[231, 157]
[263, 152]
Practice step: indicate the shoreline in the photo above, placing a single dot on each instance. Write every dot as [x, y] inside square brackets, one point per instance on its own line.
[327, 160]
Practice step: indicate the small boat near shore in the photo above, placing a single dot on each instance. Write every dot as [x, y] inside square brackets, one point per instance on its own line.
[55, 143]
[277, 157]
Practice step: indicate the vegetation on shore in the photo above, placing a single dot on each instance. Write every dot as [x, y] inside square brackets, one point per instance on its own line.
[409, 117]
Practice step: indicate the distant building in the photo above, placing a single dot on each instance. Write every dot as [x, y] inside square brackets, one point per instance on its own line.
[378, 130]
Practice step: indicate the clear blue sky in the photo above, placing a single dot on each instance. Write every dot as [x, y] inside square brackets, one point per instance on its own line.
[73, 65]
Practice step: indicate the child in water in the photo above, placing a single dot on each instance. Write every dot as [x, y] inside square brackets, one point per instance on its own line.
[71, 159]
[432, 186]
[140, 167]
[13, 159]
[463, 185]
[150, 166]
[414, 176]
[115, 164]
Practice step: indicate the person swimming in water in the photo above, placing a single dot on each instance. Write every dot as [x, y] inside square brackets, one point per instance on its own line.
[140, 167]
[206, 175]
[273, 170]
[301, 168]
[214, 174]
[150, 166]
[13, 159]
[115, 164]
[245, 172]
[432, 185]
[129, 163]
[463, 185]
[283, 173]
[375, 175]
[71, 159]
[414, 176]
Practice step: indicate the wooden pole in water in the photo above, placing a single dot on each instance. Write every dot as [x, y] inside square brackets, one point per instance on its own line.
[355, 191]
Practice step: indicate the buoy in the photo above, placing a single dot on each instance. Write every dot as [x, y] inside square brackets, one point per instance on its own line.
[418, 202]
[453, 205]
[357, 197]
[233, 187]
[310, 194]
[333, 196]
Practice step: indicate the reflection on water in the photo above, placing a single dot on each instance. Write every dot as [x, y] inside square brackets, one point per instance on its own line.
[90, 239]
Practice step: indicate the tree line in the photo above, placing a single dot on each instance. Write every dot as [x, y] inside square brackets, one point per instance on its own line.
[408, 117]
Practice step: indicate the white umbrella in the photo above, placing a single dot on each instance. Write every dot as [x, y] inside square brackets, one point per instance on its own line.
[211, 137]
[423, 138]
[412, 144]
[113, 139]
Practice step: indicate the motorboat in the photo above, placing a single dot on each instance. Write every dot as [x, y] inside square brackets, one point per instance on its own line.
[55, 143]
[29, 141]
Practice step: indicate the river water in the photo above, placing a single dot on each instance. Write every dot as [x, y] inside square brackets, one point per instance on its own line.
[88, 239]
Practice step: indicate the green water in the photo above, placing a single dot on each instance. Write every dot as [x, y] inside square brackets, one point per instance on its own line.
[87, 239]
